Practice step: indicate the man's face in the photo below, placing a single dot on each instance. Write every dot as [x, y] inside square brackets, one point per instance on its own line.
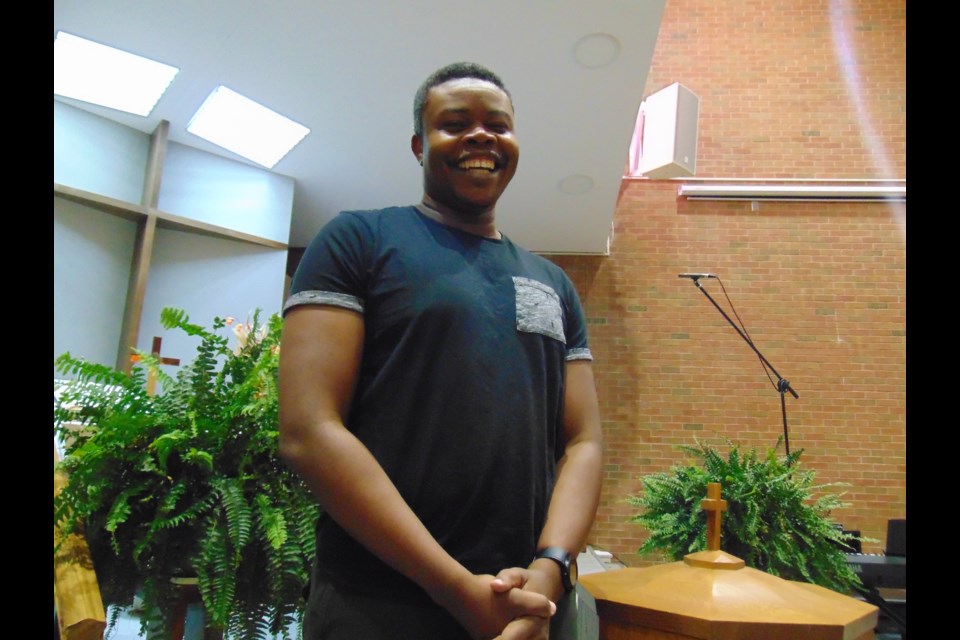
[468, 148]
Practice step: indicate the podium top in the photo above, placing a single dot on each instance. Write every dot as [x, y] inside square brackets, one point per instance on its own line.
[711, 604]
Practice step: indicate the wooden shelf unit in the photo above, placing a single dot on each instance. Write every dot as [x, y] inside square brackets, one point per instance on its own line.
[165, 220]
[148, 219]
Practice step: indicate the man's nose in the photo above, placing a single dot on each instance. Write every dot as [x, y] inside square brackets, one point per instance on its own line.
[480, 136]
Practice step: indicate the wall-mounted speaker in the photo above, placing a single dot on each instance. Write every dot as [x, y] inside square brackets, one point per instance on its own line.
[665, 139]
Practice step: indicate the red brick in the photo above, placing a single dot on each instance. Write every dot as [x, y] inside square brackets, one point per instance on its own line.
[777, 101]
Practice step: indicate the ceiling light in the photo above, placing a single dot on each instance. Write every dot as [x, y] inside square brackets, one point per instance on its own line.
[101, 75]
[238, 124]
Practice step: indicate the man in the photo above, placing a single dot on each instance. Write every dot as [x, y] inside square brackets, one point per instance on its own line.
[436, 394]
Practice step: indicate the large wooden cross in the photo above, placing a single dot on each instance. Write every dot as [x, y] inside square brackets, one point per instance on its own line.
[714, 505]
[151, 376]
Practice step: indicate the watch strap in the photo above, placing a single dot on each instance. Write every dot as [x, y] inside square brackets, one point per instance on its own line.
[563, 560]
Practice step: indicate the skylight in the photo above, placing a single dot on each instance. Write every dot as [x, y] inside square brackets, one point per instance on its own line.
[238, 124]
[98, 74]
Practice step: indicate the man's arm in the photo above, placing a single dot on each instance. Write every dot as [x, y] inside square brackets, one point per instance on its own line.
[320, 355]
[576, 495]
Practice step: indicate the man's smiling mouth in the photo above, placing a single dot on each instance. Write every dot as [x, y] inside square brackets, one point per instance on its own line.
[477, 163]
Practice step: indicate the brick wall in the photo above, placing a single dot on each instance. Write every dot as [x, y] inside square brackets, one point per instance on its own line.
[787, 90]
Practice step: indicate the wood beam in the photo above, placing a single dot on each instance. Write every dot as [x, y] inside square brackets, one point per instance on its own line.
[143, 247]
[154, 170]
[136, 290]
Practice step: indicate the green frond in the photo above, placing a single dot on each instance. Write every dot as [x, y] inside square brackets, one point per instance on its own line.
[201, 458]
[173, 318]
[113, 616]
[272, 521]
[216, 576]
[121, 508]
[239, 515]
[150, 364]
[188, 481]
[166, 444]
[777, 520]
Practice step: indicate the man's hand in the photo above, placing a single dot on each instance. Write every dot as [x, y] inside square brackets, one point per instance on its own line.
[541, 577]
[487, 606]
[527, 628]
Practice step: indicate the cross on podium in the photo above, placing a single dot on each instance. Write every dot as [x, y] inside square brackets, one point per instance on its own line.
[714, 505]
[713, 557]
[151, 376]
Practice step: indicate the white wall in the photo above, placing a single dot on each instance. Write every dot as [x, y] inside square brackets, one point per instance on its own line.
[226, 193]
[238, 278]
[98, 155]
[92, 253]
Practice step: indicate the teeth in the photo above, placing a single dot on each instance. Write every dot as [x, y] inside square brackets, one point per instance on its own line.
[478, 163]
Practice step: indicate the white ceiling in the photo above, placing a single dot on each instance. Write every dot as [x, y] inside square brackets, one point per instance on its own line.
[348, 71]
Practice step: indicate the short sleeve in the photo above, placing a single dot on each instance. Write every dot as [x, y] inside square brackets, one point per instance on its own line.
[576, 326]
[333, 269]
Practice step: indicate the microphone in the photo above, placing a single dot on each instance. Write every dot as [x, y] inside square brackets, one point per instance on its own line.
[696, 276]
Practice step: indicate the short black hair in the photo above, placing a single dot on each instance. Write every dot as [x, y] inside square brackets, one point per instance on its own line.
[453, 71]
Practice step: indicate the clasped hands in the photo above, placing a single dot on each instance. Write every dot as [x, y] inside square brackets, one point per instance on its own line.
[512, 605]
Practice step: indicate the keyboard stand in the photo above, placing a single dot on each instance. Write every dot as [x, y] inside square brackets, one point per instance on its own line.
[874, 597]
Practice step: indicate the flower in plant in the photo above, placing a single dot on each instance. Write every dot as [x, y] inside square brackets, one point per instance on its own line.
[243, 333]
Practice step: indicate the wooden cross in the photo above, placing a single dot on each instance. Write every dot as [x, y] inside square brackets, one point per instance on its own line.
[151, 376]
[715, 506]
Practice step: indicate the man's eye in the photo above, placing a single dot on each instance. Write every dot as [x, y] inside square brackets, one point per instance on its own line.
[453, 126]
[499, 128]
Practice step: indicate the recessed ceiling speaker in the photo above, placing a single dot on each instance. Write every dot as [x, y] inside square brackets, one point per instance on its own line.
[664, 142]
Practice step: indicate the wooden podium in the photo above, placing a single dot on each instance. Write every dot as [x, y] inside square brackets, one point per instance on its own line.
[711, 595]
[76, 594]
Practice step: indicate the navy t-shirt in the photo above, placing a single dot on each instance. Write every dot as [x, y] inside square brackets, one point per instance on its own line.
[461, 386]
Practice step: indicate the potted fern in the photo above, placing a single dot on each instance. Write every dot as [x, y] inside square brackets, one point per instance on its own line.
[188, 483]
[777, 520]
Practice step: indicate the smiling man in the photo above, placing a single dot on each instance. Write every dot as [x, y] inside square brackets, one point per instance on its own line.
[468, 151]
[436, 394]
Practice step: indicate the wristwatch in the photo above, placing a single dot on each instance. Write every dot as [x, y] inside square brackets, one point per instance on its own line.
[567, 564]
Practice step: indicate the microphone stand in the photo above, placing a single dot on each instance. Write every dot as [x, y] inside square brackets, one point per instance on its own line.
[782, 385]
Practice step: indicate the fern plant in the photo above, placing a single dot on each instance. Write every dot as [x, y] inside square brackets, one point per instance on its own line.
[188, 483]
[777, 519]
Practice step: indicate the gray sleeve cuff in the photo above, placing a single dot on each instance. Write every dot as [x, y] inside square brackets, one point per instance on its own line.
[328, 298]
[579, 354]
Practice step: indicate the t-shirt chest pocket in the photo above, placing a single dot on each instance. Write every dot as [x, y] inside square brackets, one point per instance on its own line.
[538, 309]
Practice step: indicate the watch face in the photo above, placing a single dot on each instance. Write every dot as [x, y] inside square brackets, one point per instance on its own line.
[573, 571]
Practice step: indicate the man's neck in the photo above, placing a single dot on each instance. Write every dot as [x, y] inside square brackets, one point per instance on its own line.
[484, 226]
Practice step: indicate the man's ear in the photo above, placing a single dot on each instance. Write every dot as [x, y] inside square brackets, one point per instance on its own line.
[416, 145]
